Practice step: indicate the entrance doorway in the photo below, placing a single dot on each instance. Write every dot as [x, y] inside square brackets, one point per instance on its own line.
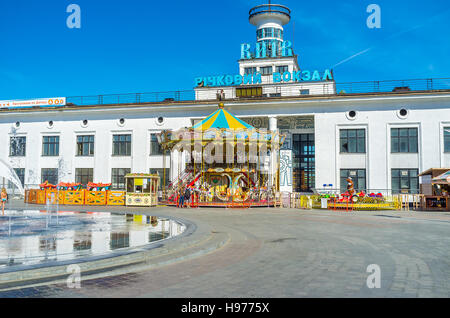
[304, 162]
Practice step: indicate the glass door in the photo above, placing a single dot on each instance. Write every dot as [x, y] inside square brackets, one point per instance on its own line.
[304, 165]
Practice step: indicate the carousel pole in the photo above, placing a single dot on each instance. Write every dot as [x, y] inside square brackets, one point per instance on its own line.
[201, 177]
[164, 173]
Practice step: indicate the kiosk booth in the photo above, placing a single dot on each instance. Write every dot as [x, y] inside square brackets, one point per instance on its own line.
[142, 189]
[435, 186]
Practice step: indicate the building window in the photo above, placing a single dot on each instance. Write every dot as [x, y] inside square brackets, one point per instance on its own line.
[20, 174]
[250, 70]
[118, 178]
[304, 92]
[259, 33]
[155, 147]
[85, 146]
[50, 146]
[249, 92]
[405, 181]
[160, 173]
[447, 139]
[266, 70]
[84, 175]
[358, 177]
[404, 140]
[282, 69]
[304, 165]
[353, 140]
[17, 146]
[122, 145]
[269, 33]
[50, 175]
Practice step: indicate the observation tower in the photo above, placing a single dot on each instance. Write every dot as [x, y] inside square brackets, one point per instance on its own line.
[269, 20]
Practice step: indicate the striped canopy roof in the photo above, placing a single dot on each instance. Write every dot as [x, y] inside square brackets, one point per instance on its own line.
[222, 119]
[443, 177]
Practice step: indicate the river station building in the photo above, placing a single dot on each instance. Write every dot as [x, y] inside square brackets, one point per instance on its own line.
[382, 133]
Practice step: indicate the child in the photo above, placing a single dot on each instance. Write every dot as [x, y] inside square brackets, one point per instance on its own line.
[3, 197]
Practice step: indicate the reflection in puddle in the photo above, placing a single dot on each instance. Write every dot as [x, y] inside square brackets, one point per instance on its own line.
[33, 237]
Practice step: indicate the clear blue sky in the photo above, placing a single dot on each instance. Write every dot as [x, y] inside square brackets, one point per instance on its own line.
[149, 46]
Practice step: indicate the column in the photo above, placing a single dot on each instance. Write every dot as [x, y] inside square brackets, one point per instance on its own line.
[273, 127]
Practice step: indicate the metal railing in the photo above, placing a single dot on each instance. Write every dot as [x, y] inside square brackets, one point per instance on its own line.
[391, 86]
[384, 192]
[428, 84]
[269, 8]
[132, 98]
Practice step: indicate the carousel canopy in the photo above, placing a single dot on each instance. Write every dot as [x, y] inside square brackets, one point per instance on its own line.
[220, 125]
[222, 119]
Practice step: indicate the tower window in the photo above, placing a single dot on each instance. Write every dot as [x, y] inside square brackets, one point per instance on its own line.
[266, 70]
[269, 33]
[282, 69]
[249, 70]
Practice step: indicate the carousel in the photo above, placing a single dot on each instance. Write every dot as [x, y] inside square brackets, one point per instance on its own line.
[223, 161]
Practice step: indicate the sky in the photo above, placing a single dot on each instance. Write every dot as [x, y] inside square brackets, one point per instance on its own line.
[138, 46]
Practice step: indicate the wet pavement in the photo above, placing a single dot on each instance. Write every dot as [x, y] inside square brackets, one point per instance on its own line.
[39, 237]
[287, 253]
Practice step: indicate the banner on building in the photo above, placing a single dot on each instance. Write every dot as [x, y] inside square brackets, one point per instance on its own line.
[54, 101]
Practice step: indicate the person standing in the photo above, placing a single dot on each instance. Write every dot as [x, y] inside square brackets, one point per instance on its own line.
[3, 197]
[187, 196]
[181, 198]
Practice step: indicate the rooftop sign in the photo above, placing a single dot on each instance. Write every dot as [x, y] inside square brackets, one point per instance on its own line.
[256, 78]
[262, 50]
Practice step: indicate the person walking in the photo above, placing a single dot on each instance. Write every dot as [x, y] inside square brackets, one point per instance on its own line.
[187, 196]
[3, 197]
[181, 198]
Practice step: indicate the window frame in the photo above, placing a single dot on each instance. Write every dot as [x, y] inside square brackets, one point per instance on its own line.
[20, 175]
[116, 185]
[357, 138]
[343, 185]
[15, 138]
[249, 92]
[262, 68]
[304, 92]
[160, 173]
[160, 152]
[47, 179]
[91, 145]
[252, 68]
[79, 178]
[446, 139]
[285, 68]
[398, 138]
[408, 178]
[122, 143]
[54, 144]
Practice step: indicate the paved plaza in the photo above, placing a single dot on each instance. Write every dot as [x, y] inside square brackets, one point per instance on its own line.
[277, 253]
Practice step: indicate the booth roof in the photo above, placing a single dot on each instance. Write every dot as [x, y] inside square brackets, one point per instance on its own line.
[443, 178]
[434, 172]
